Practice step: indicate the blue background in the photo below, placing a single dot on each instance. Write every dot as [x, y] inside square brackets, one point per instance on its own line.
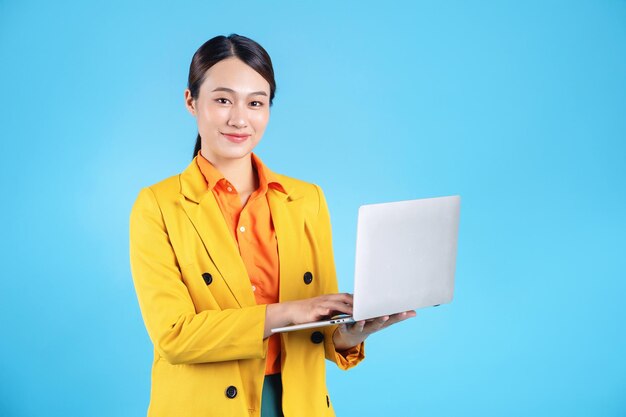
[519, 107]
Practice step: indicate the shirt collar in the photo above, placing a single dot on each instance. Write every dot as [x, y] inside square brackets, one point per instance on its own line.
[267, 178]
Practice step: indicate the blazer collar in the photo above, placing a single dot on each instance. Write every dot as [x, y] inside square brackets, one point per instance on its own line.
[193, 184]
[203, 211]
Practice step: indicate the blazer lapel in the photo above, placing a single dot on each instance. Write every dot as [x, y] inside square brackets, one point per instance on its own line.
[288, 219]
[202, 209]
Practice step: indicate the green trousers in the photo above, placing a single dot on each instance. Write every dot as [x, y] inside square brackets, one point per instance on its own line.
[271, 401]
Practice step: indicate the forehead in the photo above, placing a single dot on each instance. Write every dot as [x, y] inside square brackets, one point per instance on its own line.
[236, 75]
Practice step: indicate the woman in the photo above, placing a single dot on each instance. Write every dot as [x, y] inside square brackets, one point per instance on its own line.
[227, 250]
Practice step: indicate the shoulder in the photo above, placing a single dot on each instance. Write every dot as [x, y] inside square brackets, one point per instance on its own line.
[165, 187]
[311, 194]
[169, 186]
[188, 182]
[297, 187]
[155, 197]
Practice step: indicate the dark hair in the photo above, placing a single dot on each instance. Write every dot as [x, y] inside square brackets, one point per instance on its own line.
[221, 47]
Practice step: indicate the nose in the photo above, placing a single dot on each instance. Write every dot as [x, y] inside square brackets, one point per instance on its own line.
[237, 117]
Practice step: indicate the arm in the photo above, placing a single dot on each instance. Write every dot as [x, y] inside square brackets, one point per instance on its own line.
[179, 333]
[307, 310]
[336, 351]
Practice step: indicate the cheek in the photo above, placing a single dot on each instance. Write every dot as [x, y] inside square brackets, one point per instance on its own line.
[212, 116]
[260, 120]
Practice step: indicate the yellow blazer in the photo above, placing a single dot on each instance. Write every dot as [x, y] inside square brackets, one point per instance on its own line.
[199, 309]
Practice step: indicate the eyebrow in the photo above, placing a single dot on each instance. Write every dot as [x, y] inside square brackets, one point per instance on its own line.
[230, 90]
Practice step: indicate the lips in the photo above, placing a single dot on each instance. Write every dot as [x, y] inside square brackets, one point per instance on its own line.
[236, 137]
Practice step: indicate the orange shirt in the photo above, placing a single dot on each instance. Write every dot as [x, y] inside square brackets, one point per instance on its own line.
[253, 231]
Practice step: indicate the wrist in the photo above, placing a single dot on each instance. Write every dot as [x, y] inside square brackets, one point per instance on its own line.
[280, 314]
[286, 312]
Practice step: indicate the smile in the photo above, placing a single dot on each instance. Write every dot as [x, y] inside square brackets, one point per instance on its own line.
[235, 138]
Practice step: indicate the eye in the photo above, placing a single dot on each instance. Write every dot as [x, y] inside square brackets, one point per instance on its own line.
[222, 100]
[256, 103]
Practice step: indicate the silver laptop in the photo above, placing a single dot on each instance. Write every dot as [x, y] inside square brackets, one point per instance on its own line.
[405, 258]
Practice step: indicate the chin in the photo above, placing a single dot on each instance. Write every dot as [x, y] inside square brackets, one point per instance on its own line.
[223, 149]
[235, 152]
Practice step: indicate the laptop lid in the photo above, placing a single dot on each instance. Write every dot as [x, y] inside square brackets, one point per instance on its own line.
[405, 255]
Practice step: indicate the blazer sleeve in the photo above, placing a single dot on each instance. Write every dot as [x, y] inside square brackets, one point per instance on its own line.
[351, 357]
[179, 333]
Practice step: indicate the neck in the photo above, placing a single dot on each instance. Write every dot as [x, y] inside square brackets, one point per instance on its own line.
[239, 172]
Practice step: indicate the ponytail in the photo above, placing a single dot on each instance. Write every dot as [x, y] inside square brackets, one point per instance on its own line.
[197, 148]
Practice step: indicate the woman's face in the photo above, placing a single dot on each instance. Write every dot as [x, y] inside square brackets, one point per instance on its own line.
[232, 110]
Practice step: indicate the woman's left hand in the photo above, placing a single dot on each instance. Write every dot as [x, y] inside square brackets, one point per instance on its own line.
[350, 335]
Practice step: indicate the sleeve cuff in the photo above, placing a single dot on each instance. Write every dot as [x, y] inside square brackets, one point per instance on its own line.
[349, 358]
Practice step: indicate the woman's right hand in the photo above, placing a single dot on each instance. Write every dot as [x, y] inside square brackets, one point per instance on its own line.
[307, 310]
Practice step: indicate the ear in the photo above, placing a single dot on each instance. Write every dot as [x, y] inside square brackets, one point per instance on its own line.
[190, 102]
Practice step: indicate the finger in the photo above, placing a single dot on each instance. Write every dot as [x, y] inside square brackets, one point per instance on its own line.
[405, 315]
[397, 318]
[376, 324]
[357, 327]
[410, 313]
[338, 306]
[346, 328]
[331, 309]
[342, 297]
